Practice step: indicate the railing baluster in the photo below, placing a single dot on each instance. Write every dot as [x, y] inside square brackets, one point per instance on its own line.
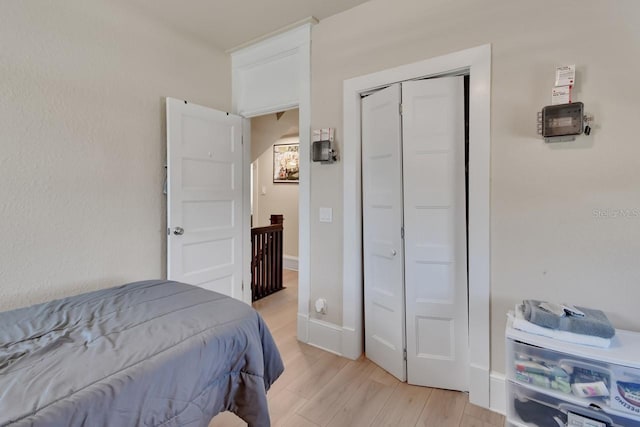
[266, 260]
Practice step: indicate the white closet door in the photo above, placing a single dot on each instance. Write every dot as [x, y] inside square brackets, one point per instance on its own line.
[435, 232]
[204, 158]
[382, 223]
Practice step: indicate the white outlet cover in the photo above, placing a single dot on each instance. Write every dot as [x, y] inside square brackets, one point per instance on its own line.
[321, 306]
[326, 215]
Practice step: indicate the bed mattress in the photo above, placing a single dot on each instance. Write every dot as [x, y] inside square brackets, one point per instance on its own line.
[153, 353]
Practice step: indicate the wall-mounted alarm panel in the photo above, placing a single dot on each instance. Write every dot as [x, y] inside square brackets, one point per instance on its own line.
[562, 120]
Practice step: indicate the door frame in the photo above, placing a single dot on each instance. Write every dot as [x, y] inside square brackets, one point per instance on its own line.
[477, 61]
[262, 84]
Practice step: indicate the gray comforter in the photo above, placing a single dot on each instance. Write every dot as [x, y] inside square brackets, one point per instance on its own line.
[154, 353]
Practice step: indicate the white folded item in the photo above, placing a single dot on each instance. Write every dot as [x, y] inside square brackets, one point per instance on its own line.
[521, 324]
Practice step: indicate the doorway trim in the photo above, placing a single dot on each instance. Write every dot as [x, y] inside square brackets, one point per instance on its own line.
[269, 76]
[477, 61]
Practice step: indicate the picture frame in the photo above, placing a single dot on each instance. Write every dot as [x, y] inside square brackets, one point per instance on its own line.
[286, 163]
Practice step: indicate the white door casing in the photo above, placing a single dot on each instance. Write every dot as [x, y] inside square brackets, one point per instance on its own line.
[477, 60]
[204, 197]
[435, 232]
[382, 224]
[269, 76]
[255, 200]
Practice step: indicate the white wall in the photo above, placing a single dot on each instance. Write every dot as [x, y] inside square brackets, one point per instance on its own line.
[279, 198]
[82, 87]
[546, 241]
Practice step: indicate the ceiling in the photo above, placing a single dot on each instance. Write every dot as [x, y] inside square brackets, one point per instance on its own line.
[230, 23]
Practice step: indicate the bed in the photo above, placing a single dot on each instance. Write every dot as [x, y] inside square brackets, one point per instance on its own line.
[153, 353]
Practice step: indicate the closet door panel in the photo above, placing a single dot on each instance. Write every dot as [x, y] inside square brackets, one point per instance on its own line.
[435, 232]
[382, 222]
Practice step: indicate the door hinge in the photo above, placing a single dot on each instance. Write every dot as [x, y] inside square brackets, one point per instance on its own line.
[242, 285]
[242, 140]
[400, 108]
[404, 354]
[402, 232]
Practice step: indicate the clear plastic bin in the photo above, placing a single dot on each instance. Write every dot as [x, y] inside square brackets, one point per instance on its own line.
[527, 407]
[563, 373]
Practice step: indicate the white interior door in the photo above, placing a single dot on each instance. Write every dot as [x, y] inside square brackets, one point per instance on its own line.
[204, 197]
[435, 232]
[382, 225]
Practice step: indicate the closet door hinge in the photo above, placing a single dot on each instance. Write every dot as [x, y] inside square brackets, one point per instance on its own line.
[404, 354]
[242, 285]
[402, 232]
[400, 108]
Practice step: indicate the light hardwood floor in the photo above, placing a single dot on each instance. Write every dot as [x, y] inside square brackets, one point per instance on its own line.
[321, 389]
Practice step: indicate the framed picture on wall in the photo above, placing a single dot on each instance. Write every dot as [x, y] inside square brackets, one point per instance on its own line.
[286, 163]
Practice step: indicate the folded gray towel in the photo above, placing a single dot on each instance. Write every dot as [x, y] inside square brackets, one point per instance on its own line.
[594, 322]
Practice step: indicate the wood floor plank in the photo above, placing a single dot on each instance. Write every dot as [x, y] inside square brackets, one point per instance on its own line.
[363, 406]
[324, 405]
[294, 369]
[279, 318]
[403, 407]
[489, 417]
[470, 421]
[443, 409]
[285, 333]
[383, 377]
[227, 419]
[296, 420]
[317, 376]
[283, 405]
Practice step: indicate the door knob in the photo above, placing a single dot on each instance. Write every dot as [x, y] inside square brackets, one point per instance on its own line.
[178, 231]
[393, 252]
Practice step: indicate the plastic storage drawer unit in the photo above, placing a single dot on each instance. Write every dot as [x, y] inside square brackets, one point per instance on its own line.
[527, 407]
[553, 383]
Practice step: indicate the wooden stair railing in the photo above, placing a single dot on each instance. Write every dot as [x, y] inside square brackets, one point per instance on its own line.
[266, 259]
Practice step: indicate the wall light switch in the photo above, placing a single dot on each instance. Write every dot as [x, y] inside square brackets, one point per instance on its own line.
[326, 215]
[264, 190]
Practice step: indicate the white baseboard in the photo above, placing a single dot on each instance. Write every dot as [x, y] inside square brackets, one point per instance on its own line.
[303, 328]
[498, 399]
[290, 262]
[487, 389]
[351, 347]
[325, 336]
[479, 387]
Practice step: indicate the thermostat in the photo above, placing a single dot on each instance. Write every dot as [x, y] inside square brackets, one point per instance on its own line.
[561, 122]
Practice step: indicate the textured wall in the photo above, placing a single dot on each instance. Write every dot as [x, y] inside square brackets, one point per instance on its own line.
[82, 87]
[280, 198]
[549, 239]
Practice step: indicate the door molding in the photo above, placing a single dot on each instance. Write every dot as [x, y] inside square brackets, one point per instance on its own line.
[270, 76]
[478, 63]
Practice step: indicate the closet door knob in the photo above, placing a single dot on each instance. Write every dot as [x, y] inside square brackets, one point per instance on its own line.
[178, 231]
[393, 252]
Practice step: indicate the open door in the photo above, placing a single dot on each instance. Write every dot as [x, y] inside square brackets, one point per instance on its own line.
[382, 230]
[204, 197]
